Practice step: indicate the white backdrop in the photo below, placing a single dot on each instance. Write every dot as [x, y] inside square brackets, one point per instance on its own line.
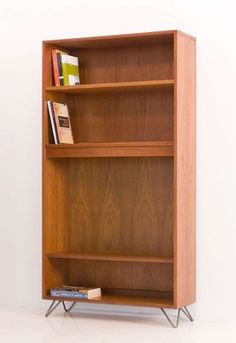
[23, 25]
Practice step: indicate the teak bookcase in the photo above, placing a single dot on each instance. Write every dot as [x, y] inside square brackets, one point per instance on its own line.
[119, 204]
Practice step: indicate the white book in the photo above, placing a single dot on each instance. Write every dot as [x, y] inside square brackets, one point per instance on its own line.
[89, 292]
[52, 120]
[70, 69]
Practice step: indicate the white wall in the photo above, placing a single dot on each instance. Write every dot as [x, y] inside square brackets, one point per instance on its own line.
[23, 25]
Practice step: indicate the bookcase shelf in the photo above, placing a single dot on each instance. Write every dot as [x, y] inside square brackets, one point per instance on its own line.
[111, 258]
[124, 222]
[112, 149]
[128, 300]
[112, 87]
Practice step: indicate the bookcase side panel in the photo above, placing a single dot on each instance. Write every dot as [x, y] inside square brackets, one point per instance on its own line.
[184, 172]
[46, 81]
[55, 218]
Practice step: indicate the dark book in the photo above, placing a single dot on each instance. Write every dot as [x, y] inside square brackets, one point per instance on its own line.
[60, 71]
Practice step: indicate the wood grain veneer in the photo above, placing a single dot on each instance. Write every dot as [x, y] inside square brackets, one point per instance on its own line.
[184, 173]
[133, 298]
[142, 276]
[100, 88]
[124, 221]
[121, 206]
[118, 40]
[109, 257]
[146, 116]
[55, 218]
[110, 149]
[126, 63]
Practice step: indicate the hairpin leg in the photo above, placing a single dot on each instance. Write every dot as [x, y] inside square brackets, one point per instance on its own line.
[170, 321]
[184, 310]
[68, 309]
[52, 307]
[187, 314]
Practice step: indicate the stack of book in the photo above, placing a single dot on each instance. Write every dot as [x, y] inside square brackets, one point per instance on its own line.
[75, 292]
[60, 122]
[65, 68]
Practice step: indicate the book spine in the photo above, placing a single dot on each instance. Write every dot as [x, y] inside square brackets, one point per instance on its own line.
[65, 294]
[55, 67]
[53, 123]
[60, 71]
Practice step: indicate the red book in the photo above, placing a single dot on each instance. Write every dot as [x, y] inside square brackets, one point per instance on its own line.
[56, 68]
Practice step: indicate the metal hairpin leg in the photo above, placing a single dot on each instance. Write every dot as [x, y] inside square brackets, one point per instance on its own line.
[184, 310]
[68, 309]
[169, 320]
[187, 314]
[53, 306]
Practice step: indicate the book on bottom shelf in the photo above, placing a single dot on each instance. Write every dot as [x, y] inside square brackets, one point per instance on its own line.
[76, 292]
[60, 122]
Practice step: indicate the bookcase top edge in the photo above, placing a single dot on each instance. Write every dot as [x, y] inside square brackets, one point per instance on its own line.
[186, 35]
[112, 40]
[126, 35]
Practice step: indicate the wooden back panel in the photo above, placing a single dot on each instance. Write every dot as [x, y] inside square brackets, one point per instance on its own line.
[135, 116]
[122, 206]
[140, 206]
[126, 63]
[136, 276]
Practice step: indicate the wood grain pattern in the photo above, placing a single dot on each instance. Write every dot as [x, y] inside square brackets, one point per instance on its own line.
[124, 221]
[141, 276]
[112, 87]
[111, 149]
[126, 63]
[55, 176]
[128, 203]
[56, 217]
[115, 40]
[123, 117]
[108, 257]
[129, 299]
[55, 273]
[184, 173]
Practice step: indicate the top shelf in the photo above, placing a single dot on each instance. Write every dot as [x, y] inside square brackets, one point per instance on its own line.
[112, 87]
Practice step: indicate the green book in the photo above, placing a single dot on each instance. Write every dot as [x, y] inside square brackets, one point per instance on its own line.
[70, 70]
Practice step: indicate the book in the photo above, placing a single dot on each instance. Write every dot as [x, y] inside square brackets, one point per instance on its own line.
[70, 69]
[60, 72]
[76, 292]
[53, 123]
[57, 67]
[61, 121]
[90, 291]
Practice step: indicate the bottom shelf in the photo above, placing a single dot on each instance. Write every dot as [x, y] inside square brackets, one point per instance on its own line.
[128, 298]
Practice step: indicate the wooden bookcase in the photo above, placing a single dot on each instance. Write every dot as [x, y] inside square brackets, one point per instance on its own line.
[119, 204]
